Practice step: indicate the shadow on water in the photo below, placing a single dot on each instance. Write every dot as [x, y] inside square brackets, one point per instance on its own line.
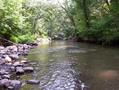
[70, 66]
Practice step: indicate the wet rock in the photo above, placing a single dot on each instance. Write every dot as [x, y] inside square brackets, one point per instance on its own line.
[28, 69]
[19, 70]
[33, 82]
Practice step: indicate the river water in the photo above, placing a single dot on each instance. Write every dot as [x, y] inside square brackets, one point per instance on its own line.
[64, 65]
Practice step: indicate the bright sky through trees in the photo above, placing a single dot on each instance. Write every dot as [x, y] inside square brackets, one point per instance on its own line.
[55, 2]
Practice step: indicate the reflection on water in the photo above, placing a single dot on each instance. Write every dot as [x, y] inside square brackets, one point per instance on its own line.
[68, 65]
[107, 75]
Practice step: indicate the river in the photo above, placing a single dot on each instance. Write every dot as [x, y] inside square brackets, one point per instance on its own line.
[64, 65]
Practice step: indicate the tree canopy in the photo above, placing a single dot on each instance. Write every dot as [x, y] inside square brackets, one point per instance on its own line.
[83, 20]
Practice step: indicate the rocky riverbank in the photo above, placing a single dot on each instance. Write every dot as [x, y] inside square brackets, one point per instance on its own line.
[10, 63]
[43, 41]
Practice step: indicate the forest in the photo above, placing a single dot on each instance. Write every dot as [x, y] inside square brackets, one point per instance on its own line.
[22, 21]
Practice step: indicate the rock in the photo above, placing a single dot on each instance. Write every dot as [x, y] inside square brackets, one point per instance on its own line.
[10, 88]
[4, 82]
[24, 62]
[2, 61]
[12, 69]
[17, 64]
[25, 52]
[33, 82]
[12, 49]
[2, 48]
[0, 78]
[10, 84]
[8, 63]
[15, 84]
[19, 70]
[5, 76]
[2, 52]
[7, 58]
[3, 72]
[14, 56]
[28, 69]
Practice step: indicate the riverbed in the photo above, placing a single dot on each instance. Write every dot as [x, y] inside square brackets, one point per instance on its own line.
[64, 65]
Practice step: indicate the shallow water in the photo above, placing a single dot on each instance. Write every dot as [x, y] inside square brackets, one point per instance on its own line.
[67, 66]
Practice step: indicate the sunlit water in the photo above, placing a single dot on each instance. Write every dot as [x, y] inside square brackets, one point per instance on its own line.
[67, 65]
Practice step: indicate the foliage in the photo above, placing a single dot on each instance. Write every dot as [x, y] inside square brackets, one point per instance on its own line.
[91, 20]
[97, 20]
[15, 22]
